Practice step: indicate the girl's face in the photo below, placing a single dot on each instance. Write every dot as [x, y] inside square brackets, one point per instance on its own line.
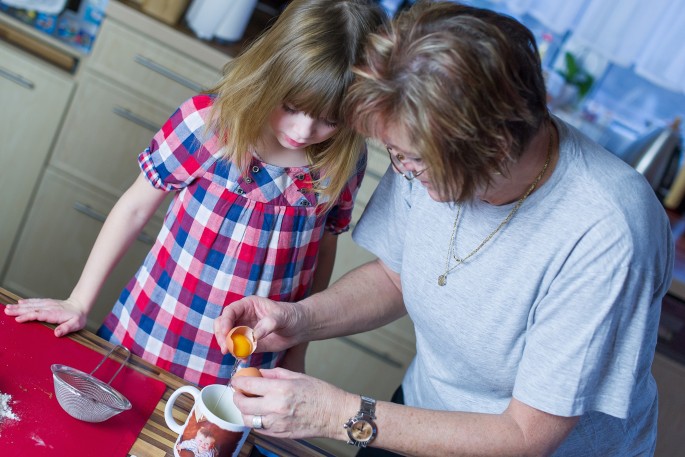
[295, 130]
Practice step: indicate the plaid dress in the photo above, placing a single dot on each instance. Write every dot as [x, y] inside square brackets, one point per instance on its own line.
[225, 236]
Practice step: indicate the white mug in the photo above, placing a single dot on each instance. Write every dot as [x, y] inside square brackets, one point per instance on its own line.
[214, 427]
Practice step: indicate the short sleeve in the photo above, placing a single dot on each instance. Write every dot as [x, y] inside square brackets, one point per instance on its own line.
[340, 216]
[591, 338]
[183, 149]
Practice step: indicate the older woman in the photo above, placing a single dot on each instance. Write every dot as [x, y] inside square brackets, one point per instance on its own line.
[531, 261]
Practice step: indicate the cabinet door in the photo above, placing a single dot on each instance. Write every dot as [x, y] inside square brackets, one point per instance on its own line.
[33, 97]
[103, 134]
[670, 379]
[149, 67]
[59, 233]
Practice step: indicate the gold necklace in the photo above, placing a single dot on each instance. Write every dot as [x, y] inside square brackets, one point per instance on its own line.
[442, 279]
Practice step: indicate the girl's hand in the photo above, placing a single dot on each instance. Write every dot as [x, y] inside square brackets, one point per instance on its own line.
[277, 325]
[294, 405]
[68, 314]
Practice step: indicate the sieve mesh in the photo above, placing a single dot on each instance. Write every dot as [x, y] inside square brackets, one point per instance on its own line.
[85, 397]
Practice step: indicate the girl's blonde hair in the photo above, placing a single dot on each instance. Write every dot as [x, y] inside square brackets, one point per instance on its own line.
[304, 59]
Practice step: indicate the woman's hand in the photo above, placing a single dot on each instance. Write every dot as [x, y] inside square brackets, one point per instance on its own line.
[277, 325]
[68, 314]
[294, 405]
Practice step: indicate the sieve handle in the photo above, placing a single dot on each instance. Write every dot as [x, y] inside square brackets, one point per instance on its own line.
[128, 356]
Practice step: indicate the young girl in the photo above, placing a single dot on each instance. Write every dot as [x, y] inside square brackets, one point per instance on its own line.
[264, 169]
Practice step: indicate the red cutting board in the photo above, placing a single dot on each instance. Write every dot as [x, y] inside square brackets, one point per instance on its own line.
[44, 428]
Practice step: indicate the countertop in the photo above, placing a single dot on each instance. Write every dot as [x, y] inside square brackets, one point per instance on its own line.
[156, 439]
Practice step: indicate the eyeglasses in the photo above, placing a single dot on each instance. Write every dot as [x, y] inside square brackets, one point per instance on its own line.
[398, 160]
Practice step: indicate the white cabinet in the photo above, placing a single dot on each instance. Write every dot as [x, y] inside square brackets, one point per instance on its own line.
[33, 97]
[151, 68]
[670, 380]
[64, 221]
[102, 137]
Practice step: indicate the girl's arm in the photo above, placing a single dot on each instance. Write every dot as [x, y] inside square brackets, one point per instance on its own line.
[295, 356]
[328, 247]
[124, 223]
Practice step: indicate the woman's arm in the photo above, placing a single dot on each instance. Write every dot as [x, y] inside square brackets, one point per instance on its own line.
[366, 298]
[299, 406]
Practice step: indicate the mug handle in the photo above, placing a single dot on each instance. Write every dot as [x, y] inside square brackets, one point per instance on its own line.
[168, 416]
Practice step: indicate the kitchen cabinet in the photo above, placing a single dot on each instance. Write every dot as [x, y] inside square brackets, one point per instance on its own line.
[61, 228]
[670, 379]
[371, 363]
[125, 91]
[34, 97]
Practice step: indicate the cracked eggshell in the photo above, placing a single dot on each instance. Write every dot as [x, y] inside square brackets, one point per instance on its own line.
[241, 342]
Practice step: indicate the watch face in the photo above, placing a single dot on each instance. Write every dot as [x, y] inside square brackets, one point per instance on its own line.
[361, 430]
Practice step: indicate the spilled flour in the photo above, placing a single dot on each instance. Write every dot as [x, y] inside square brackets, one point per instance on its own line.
[5, 409]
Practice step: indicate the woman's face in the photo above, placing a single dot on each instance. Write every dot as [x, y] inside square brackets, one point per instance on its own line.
[295, 130]
[407, 159]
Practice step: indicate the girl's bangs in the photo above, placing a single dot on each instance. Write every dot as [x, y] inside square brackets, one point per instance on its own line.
[319, 95]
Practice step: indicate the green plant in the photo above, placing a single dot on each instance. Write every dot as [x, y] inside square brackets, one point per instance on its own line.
[576, 75]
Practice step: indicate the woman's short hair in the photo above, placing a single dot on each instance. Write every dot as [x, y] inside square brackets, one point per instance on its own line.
[464, 83]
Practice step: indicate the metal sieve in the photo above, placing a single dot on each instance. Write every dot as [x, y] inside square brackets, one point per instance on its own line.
[85, 397]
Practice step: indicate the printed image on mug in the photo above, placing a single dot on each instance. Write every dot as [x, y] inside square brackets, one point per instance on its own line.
[214, 427]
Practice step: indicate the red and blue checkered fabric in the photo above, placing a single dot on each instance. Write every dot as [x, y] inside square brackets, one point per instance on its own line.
[225, 236]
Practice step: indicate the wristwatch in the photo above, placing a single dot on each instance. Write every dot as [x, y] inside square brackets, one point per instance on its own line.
[361, 429]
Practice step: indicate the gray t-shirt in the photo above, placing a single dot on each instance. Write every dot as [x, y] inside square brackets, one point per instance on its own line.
[559, 309]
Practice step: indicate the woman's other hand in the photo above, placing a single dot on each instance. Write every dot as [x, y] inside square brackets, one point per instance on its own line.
[277, 325]
[69, 315]
[294, 405]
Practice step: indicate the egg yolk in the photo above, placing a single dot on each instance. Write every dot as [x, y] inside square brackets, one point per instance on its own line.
[242, 346]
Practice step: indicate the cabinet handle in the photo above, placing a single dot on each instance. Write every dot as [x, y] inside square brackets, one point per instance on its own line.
[136, 119]
[17, 79]
[91, 213]
[164, 71]
[385, 358]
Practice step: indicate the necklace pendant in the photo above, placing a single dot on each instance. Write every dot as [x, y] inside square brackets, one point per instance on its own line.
[442, 280]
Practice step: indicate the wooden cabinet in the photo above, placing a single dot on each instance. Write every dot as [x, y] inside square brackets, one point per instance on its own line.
[33, 96]
[126, 90]
[64, 221]
[670, 380]
[149, 67]
[101, 138]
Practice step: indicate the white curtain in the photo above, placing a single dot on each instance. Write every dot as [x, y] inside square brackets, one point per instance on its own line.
[646, 35]
[662, 59]
[558, 15]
